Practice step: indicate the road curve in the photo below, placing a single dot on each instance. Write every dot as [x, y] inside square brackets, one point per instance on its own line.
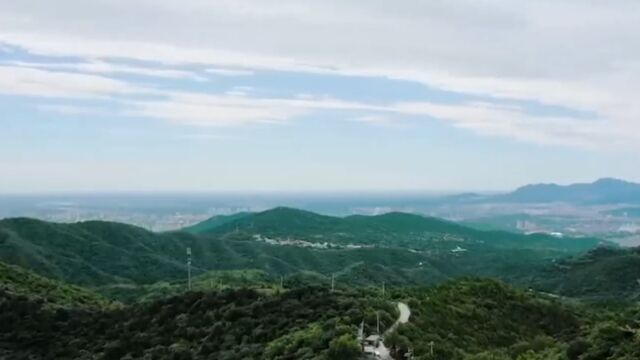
[405, 313]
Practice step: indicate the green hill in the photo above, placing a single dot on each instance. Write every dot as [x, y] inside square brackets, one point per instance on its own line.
[93, 253]
[391, 229]
[602, 191]
[603, 273]
[214, 222]
[211, 280]
[486, 320]
[229, 324]
[53, 293]
[401, 249]
[461, 320]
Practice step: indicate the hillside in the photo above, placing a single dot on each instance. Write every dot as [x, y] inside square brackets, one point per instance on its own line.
[391, 229]
[211, 280]
[603, 191]
[469, 317]
[487, 320]
[52, 293]
[402, 249]
[230, 324]
[461, 320]
[600, 274]
[214, 222]
[99, 254]
[93, 253]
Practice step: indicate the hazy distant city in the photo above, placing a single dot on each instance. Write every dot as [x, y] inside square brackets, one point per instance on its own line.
[165, 212]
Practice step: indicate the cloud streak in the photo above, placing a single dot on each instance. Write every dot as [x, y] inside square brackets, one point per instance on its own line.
[103, 67]
[16, 80]
[519, 51]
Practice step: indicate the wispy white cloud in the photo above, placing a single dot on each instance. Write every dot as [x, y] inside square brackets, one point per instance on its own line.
[210, 110]
[72, 109]
[16, 80]
[485, 119]
[239, 91]
[238, 109]
[378, 120]
[103, 67]
[515, 123]
[6, 49]
[518, 50]
[230, 72]
[211, 137]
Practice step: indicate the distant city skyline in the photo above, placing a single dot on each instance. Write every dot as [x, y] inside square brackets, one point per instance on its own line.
[290, 96]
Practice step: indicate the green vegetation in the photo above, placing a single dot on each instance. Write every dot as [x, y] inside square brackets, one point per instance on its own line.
[214, 222]
[471, 317]
[468, 319]
[601, 274]
[307, 323]
[390, 230]
[18, 281]
[485, 319]
[212, 280]
[128, 263]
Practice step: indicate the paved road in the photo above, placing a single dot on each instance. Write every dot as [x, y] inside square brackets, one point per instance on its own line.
[405, 313]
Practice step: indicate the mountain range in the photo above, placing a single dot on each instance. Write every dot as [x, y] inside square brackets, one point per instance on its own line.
[392, 230]
[602, 191]
[303, 247]
[262, 290]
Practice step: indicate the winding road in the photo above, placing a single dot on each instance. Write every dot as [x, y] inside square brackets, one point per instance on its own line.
[405, 313]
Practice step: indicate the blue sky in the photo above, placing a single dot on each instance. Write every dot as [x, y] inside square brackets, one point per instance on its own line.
[285, 95]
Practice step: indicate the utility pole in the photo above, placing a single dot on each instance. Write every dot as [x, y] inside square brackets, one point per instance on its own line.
[189, 266]
[378, 321]
[431, 348]
[333, 282]
[409, 354]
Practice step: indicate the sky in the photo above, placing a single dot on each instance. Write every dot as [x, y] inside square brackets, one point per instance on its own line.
[332, 95]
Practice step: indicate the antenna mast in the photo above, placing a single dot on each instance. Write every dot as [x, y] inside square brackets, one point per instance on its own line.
[189, 266]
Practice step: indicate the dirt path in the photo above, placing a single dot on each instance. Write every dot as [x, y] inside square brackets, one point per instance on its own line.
[405, 313]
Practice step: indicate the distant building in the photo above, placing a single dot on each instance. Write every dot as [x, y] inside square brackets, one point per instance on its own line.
[458, 249]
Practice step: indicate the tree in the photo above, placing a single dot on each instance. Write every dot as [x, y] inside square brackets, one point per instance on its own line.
[345, 347]
[399, 344]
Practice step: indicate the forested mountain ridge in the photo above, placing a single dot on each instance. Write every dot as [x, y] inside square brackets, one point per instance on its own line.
[487, 320]
[214, 222]
[93, 252]
[600, 274]
[51, 293]
[602, 191]
[232, 324]
[468, 319]
[397, 248]
[390, 229]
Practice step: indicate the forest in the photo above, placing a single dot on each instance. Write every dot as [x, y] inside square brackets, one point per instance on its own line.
[103, 290]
